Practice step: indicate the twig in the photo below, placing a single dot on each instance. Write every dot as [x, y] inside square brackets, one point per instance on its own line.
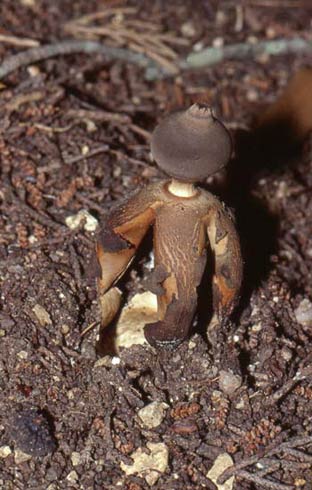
[284, 446]
[301, 375]
[22, 99]
[33, 55]
[89, 327]
[281, 4]
[123, 156]
[48, 129]
[207, 57]
[86, 201]
[18, 41]
[262, 482]
[91, 153]
[240, 51]
[41, 218]
[300, 455]
[210, 56]
[98, 115]
[101, 15]
[142, 132]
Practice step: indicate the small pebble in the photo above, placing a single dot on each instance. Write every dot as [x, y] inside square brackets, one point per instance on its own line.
[303, 313]
[75, 458]
[21, 457]
[218, 42]
[5, 451]
[229, 382]
[188, 29]
[72, 476]
[222, 462]
[31, 432]
[153, 414]
[90, 222]
[42, 315]
[148, 465]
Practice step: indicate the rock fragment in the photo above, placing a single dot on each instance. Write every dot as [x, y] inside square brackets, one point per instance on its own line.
[153, 414]
[222, 462]
[90, 222]
[303, 313]
[229, 382]
[149, 466]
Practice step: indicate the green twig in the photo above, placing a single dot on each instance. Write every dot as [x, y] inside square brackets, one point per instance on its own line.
[153, 71]
[36, 54]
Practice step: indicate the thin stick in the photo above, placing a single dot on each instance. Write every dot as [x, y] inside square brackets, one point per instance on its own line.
[301, 375]
[91, 153]
[284, 446]
[210, 56]
[207, 57]
[270, 485]
[18, 41]
[33, 55]
[240, 51]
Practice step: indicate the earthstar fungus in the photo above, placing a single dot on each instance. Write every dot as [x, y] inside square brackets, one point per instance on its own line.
[188, 145]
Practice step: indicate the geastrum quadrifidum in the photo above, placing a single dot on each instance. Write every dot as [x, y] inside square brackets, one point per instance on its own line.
[188, 145]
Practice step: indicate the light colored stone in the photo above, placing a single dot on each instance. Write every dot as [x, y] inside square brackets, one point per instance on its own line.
[28, 3]
[22, 354]
[72, 476]
[115, 360]
[21, 457]
[65, 329]
[188, 29]
[148, 466]
[222, 462]
[229, 382]
[303, 313]
[153, 414]
[74, 220]
[142, 309]
[5, 451]
[75, 458]
[42, 315]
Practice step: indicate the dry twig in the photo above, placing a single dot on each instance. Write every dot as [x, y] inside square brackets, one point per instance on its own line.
[153, 69]
[40, 53]
[18, 41]
[284, 447]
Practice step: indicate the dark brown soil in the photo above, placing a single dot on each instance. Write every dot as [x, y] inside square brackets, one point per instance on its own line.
[57, 397]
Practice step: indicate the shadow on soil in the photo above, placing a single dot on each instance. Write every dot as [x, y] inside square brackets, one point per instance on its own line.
[261, 152]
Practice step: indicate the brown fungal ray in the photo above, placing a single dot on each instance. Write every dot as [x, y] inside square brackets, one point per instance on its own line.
[179, 249]
[121, 234]
[189, 145]
[154, 281]
[225, 245]
[174, 328]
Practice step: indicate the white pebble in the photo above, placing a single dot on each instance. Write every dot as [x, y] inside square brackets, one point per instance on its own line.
[303, 313]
